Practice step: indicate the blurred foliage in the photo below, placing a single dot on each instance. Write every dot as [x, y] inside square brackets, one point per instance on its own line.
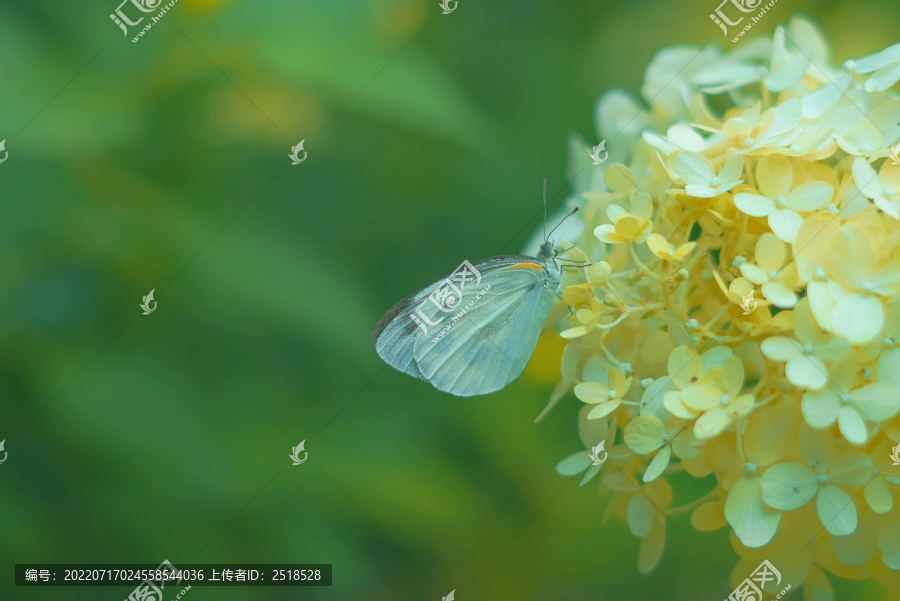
[163, 164]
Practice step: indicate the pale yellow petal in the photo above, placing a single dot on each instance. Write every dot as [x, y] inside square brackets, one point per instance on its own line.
[787, 486]
[753, 522]
[644, 434]
[785, 223]
[711, 423]
[592, 392]
[878, 496]
[780, 295]
[658, 465]
[836, 510]
[857, 318]
[806, 371]
[774, 175]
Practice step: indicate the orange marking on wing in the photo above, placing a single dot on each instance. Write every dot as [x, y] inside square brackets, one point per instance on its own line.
[526, 266]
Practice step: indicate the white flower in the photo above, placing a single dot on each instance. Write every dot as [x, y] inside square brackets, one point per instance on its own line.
[875, 402]
[680, 136]
[787, 67]
[883, 188]
[769, 129]
[702, 181]
[779, 202]
[886, 65]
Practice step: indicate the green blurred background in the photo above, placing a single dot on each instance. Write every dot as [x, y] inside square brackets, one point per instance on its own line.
[163, 165]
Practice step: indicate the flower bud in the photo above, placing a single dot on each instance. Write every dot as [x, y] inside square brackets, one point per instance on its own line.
[600, 272]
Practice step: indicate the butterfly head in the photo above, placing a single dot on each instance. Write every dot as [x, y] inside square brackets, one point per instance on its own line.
[548, 251]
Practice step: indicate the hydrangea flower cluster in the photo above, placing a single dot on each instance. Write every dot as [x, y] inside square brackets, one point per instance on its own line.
[738, 318]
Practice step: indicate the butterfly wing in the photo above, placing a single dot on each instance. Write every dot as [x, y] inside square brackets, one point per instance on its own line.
[489, 345]
[396, 332]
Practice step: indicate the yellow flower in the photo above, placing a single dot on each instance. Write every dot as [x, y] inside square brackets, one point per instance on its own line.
[627, 226]
[787, 404]
[644, 512]
[646, 433]
[780, 202]
[758, 132]
[806, 353]
[777, 278]
[665, 250]
[589, 311]
[686, 368]
[716, 405]
[882, 188]
[863, 275]
[606, 398]
[874, 402]
[595, 435]
[877, 492]
[787, 486]
[765, 441]
[700, 178]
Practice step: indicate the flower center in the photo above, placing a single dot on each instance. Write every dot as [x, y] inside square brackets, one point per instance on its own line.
[780, 201]
[831, 207]
[819, 273]
[888, 342]
[612, 394]
[738, 261]
[867, 287]
[714, 181]
[823, 478]
[795, 148]
[772, 274]
[667, 437]
[750, 468]
[748, 141]
[691, 324]
[808, 347]
[724, 400]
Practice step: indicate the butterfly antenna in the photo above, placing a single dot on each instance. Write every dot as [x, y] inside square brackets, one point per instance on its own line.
[561, 221]
[545, 210]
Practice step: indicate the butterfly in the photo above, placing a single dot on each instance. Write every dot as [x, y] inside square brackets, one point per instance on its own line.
[473, 332]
